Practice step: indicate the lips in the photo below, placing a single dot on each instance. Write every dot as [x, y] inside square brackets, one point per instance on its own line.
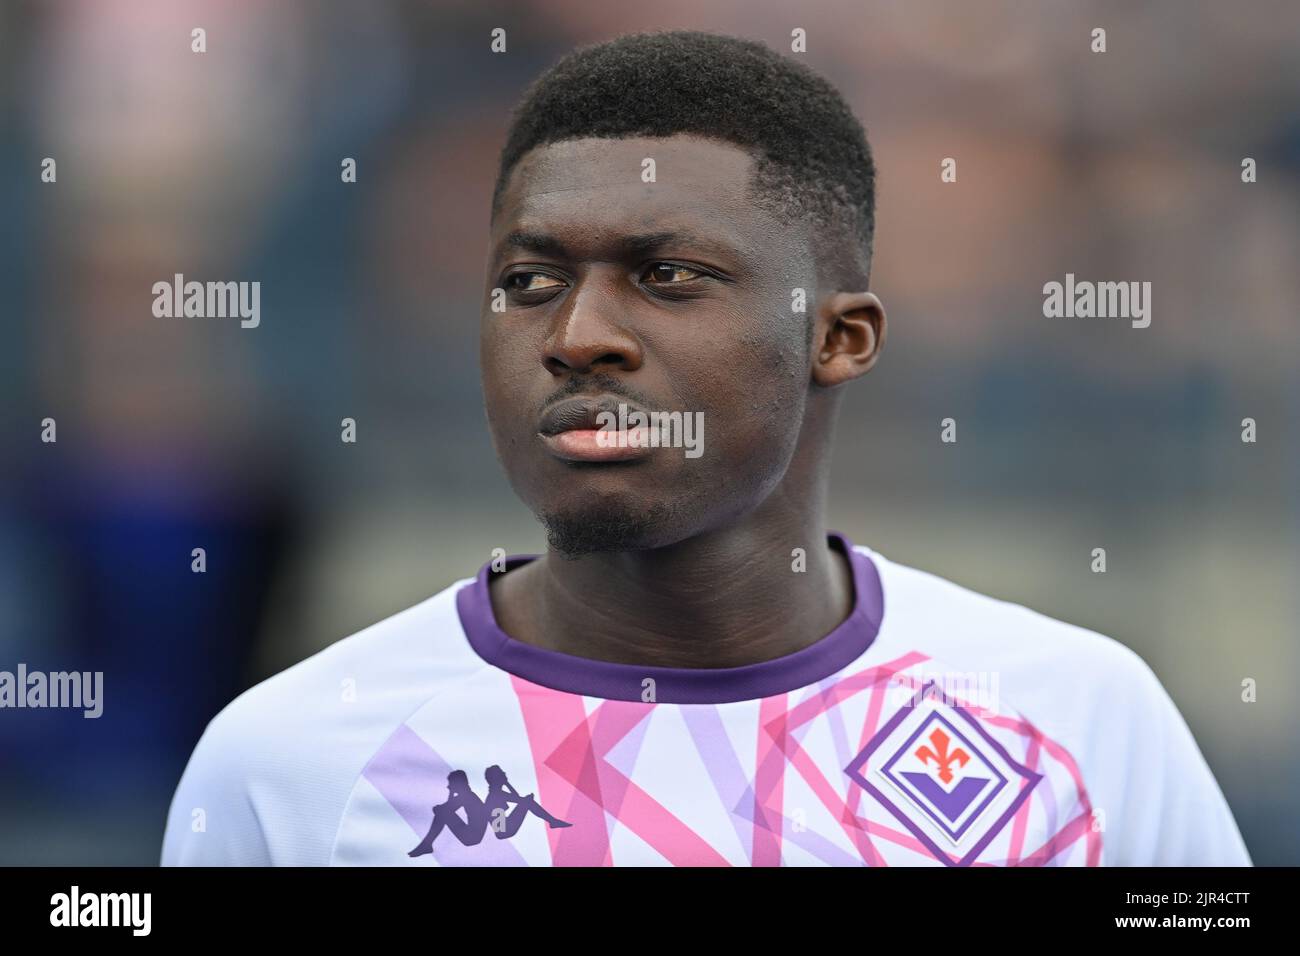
[580, 414]
[570, 428]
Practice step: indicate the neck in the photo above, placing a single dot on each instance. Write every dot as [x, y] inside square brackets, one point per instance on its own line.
[725, 598]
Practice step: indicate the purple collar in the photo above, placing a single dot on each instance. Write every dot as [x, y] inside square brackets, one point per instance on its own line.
[611, 680]
[677, 685]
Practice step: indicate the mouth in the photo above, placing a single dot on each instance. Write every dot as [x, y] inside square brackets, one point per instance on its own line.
[572, 431]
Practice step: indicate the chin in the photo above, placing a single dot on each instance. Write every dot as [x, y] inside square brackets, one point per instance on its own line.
[609, 526]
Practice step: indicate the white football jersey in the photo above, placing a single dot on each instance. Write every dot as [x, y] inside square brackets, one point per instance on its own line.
[933, 727]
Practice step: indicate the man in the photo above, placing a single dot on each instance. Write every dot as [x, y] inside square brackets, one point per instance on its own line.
[696, 672]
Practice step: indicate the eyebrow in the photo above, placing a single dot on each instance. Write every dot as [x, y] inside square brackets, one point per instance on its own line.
[638, 245]
[535, 242]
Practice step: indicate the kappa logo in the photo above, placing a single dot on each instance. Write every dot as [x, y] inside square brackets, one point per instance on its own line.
[937, 770]
[468, 818]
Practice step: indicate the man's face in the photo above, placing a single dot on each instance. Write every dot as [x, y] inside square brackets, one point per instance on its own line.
[666, 296]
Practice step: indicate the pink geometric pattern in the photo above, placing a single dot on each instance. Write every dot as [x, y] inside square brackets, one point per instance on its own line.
[579, 781]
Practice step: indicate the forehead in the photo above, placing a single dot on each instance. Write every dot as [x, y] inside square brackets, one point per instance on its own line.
[595, 188]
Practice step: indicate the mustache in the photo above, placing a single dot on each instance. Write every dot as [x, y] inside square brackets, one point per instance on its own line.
[598, 383]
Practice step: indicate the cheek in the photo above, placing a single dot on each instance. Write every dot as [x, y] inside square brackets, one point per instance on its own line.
[506, 367]
[495, 357]
[752, 395]
[489, 362]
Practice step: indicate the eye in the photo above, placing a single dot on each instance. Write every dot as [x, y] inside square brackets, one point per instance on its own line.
[528, 282]
[670, 273]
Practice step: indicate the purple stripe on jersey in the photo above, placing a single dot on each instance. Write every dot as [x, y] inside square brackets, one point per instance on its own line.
[677, 685]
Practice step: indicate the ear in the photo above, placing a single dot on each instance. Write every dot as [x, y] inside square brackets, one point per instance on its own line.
[848, 337]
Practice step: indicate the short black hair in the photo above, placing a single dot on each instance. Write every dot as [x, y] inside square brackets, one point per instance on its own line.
[813, 161]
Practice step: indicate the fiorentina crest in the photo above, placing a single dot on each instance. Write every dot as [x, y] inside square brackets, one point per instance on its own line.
[943, 776]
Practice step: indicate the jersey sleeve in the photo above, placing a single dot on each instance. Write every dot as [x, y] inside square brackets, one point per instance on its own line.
[1174, 812]
[213, 820]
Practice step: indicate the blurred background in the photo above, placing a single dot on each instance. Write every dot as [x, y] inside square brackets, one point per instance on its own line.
[175, 434]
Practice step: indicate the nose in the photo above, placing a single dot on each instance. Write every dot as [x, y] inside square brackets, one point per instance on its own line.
[585, 338]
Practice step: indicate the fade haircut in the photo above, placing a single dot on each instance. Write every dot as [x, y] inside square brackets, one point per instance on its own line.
[812, 159]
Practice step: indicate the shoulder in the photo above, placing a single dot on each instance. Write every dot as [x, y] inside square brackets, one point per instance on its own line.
[963, 626]
[269, 779]
[367, 677]
[1096, 698]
